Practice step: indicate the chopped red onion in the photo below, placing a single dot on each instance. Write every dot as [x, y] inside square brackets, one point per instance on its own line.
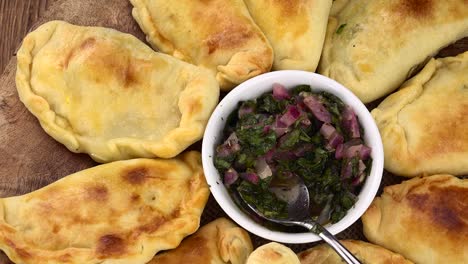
[358, 150]
[350, 122]
[230, 177]
[317, 108]
[244, 110]
[331, 135]
[327, 130]
[229, 147]
[291, 115]
[280, 92]
[250, 177]
[279, 127]
[262, 168]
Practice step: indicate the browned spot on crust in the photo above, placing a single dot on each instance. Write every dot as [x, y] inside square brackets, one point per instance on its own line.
[97, 193]
[157, 222]
[110, 246]
[232, 36]
[56, 229]
[136, 176]
[135, 198]
[85, 45]
[194, 107]
[290, 7]
[271, 255]
[21, 252]
[415, 8]
[445, 207]
[303, 255]
[65, 258]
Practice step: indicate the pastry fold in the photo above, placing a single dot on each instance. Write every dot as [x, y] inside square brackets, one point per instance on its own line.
[119, 212]
[367, 253]
[219, 35]
[373, 46]
[295, 30]
[424, 125]
[218, 242]
[105, 93]
[423, 219]
[273, 253]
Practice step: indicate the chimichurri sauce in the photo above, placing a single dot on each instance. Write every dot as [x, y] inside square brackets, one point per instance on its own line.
[313, 135]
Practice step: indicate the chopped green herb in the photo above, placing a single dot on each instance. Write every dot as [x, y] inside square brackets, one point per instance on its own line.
[340, 28]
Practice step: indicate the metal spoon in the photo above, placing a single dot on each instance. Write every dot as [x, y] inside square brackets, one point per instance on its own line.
[295, 193]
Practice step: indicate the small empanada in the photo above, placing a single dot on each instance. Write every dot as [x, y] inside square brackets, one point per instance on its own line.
[105, 93]
[424, 219]
[218, 242]
[367, 253]
[273, 253]
[373, 46]
[219, 35]
[424, 126]
[295, 29]
[120, 212]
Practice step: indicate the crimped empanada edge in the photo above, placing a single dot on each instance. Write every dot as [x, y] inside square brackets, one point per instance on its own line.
[189, 220]
[200, 89]
[36, 104]
[386, 116]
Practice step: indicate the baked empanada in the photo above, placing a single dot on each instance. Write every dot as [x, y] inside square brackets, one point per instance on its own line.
[107, 94]
[367, 253]
[220, 241]
[372, 46]
[295, 30]
[424, 219]
[424, 126]
[120, 212]
[273, 253]
[219, 35]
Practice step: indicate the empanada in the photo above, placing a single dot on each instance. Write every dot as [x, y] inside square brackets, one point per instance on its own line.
[273, 253]
[219, 35]
[295, 30]
[372, 46]
[220, 241]
[120, 212]
[107, 94]
[367, 253]
[424, 219]
[424, 126]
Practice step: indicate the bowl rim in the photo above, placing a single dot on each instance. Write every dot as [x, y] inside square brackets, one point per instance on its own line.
[244, 92]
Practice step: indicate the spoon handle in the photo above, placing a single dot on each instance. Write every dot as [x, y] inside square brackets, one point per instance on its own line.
[338, 247]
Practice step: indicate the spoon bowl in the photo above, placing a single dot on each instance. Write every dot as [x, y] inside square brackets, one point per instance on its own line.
[294, 192]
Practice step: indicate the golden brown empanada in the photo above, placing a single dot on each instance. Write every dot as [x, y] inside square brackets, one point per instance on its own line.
[273, 253]
[295, 29]
[424, 126]
[107, 94]
[424, 219]
[220, 241]
[372, 46]
[120, 212]
[367, 253]
[217, 34]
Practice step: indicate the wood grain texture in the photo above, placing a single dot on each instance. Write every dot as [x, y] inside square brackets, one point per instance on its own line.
[16, 18]
[29, 158]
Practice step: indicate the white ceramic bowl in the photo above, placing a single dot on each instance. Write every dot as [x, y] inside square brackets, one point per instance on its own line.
[255, 87]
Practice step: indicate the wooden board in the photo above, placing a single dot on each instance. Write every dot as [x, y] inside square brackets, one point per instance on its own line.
[30, 159]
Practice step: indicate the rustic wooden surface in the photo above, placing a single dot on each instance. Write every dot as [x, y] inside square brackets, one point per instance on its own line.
[29, 158]
[16, 17]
